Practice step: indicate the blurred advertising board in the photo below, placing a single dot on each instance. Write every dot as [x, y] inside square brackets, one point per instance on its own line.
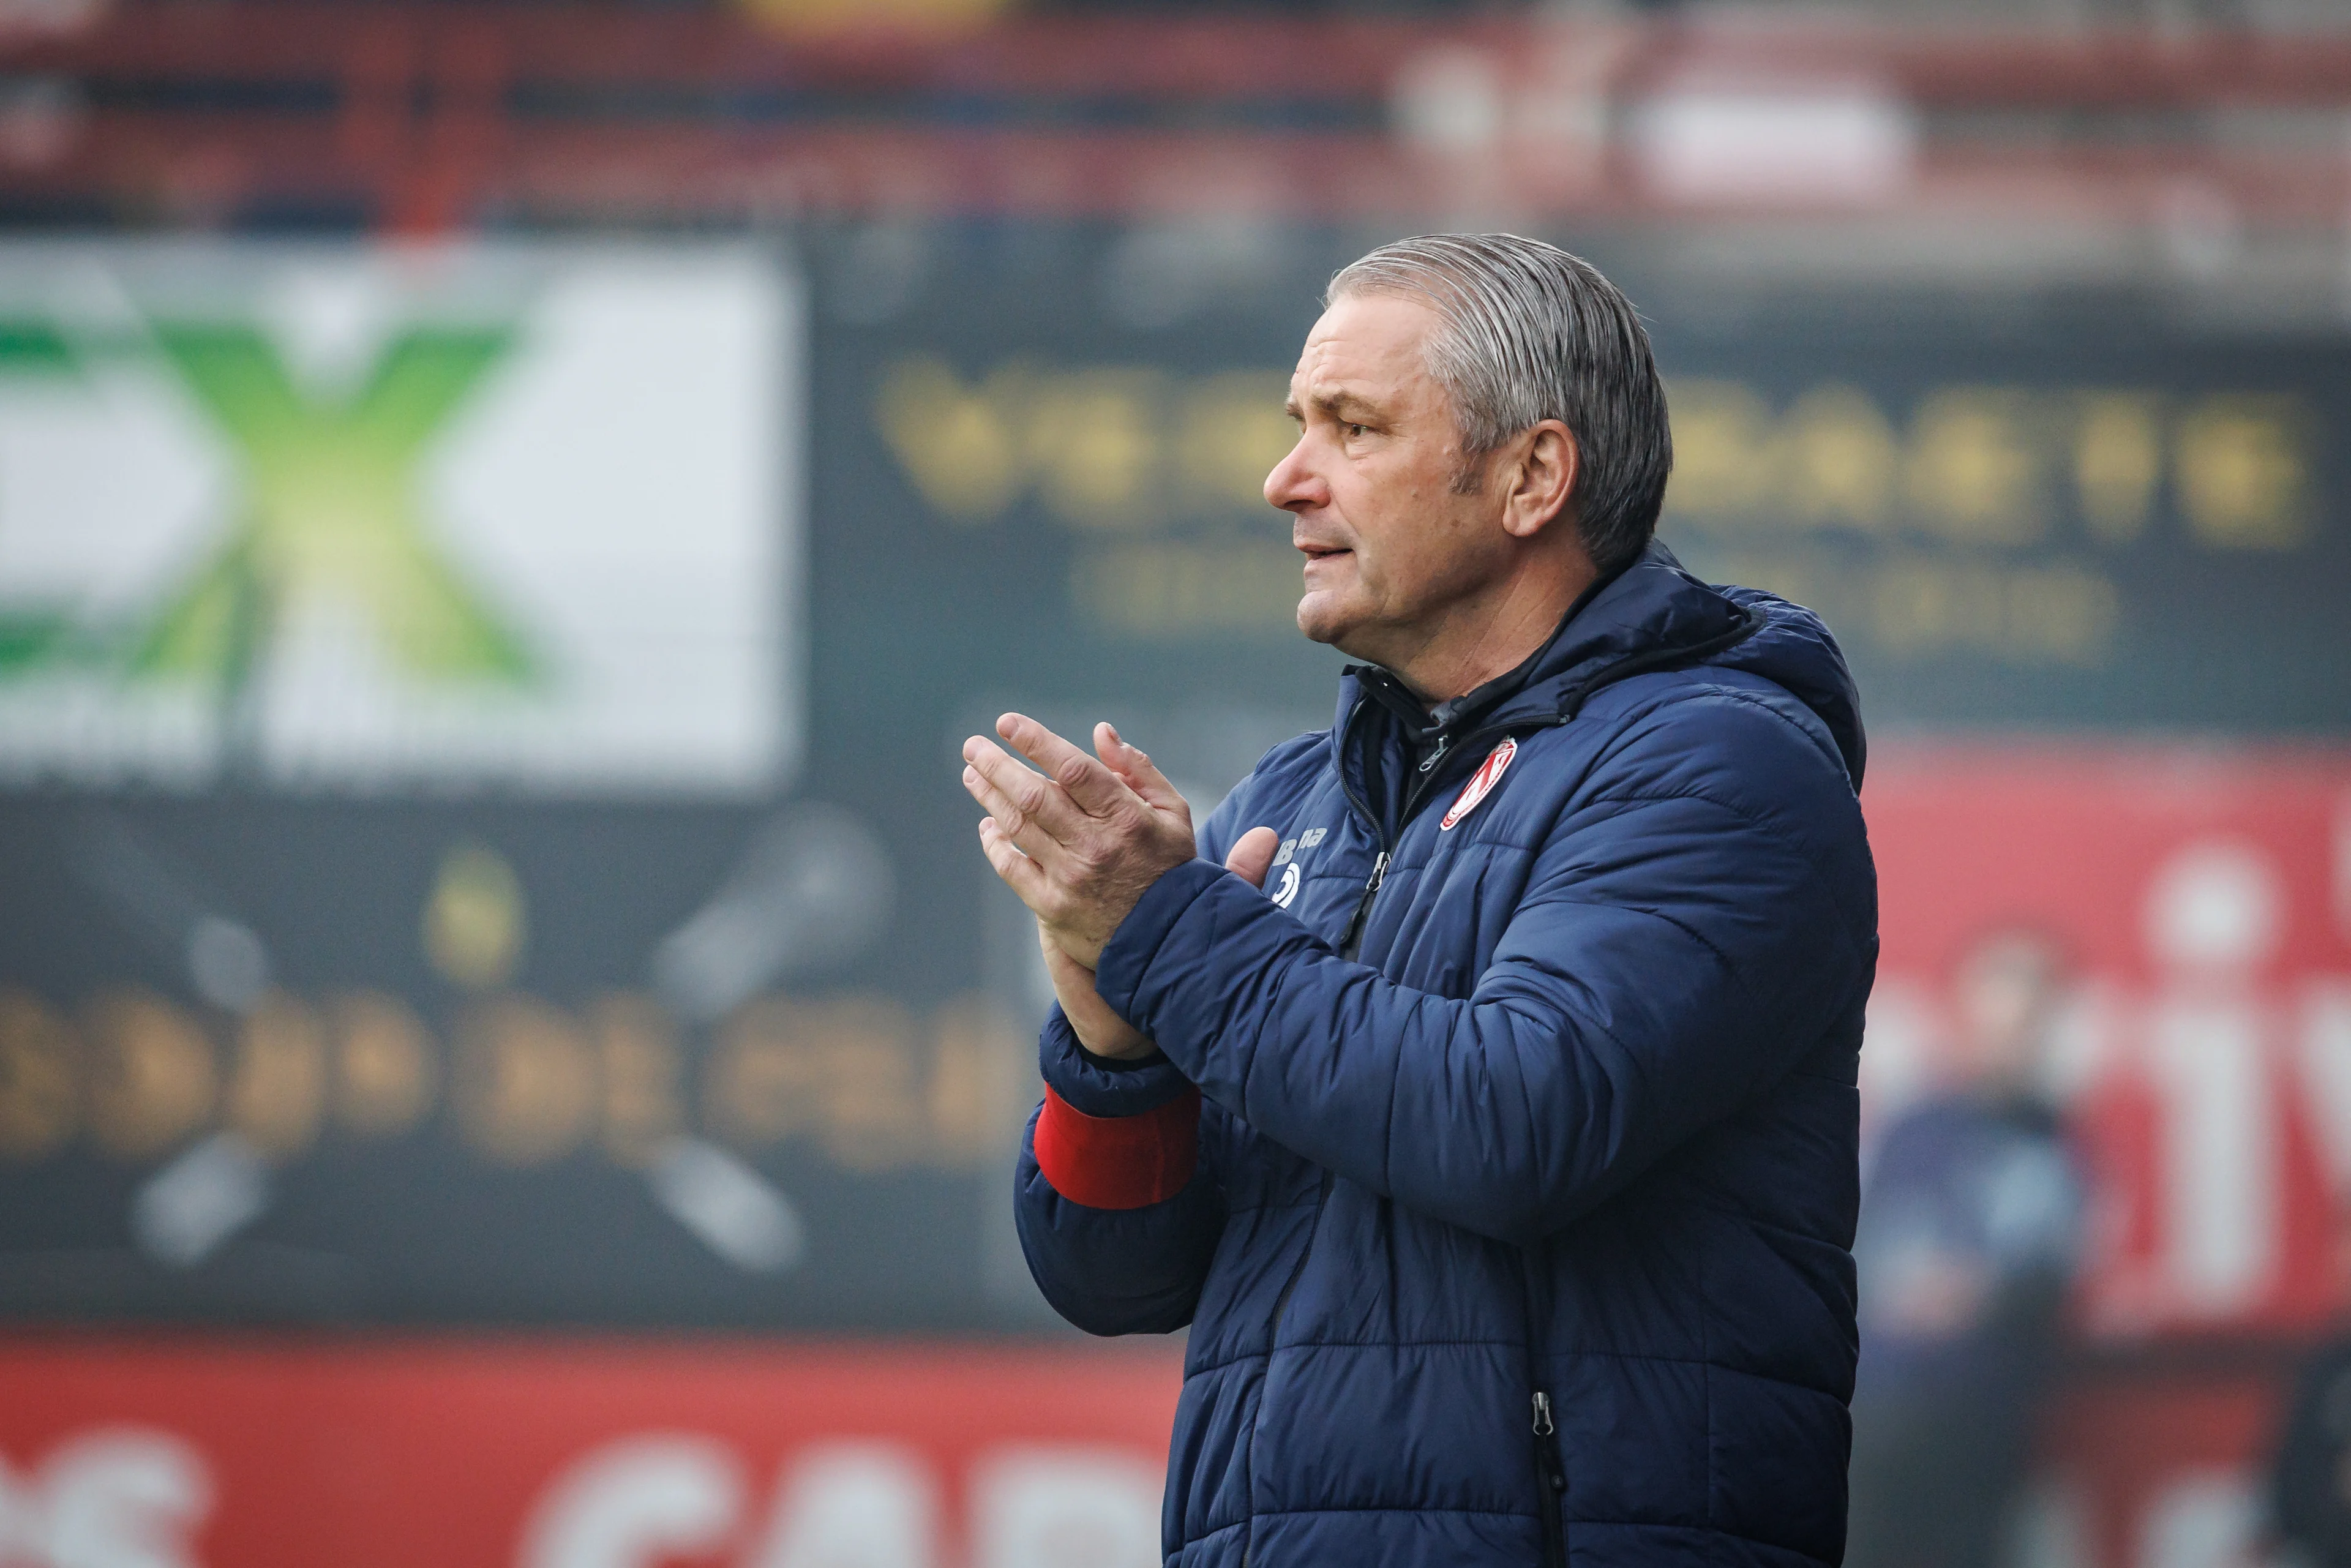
[581, 1455]
[479, 842]
[321, 517]
[558, 1453]
[2201, 902]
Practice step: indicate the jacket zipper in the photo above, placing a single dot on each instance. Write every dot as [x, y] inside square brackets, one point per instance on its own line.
[1552, 1475]
[1352, 943]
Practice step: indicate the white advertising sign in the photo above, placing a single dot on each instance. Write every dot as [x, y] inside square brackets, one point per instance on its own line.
[356, 517]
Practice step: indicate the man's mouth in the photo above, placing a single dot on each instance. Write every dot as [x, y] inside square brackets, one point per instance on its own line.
[1315, 552]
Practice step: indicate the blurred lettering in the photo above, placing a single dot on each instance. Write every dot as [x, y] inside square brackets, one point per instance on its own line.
[638, 1051]
[278, 1088]
[1232, 432]
[842, 1071]
[386, 1073]
[636, 1502]
[2117, 463]
[1974, 468]
[1982, 468]
[962, 446]
[981, 1072]
[2244, 479]
[1841, 458]
[1093, 443]
[1102, 447]
[1725, 449]
[525, 1083]
[870, 1083]
[852, 1505]
[651, 1498]
[39, 1103]
[1065, 1504]
[1919, 605]
[1180, 590]
[113, 1497]
[152, 1077]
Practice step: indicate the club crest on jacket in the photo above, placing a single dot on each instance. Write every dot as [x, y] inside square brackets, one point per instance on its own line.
[1481, 783]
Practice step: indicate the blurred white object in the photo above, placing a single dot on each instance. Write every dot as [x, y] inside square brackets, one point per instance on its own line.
[812, 890]
[113, 1498]
[852, 1505]
[2208, 1518]
[201, 1199]
[1065, 1508]
[1761, 142]
[635, 1502]
[227, 963]
[2215, 909]
[728, 1206]
[1449, 99]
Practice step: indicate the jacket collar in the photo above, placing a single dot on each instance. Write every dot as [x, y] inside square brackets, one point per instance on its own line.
[1650, 615]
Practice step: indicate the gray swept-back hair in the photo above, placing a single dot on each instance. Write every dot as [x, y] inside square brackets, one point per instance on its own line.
[1527, 332]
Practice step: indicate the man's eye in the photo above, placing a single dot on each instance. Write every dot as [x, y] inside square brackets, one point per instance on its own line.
[1356, 430]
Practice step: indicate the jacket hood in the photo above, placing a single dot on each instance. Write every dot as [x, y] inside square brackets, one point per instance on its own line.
[1654, 616]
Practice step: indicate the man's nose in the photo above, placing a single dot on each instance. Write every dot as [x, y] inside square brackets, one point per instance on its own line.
[1293, 484]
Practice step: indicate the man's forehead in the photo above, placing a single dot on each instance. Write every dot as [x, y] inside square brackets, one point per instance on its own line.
[1362, 344]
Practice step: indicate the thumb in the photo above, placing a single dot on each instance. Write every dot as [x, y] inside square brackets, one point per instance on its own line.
[1252, 857]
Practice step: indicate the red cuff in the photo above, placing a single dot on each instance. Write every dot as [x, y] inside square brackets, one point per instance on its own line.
[1119, 1161]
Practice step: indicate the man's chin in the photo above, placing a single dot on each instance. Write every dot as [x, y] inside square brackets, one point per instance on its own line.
[1337, 621]
[1322, 618]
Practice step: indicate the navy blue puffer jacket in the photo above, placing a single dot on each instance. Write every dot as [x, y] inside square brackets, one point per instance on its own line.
[1522, 1236]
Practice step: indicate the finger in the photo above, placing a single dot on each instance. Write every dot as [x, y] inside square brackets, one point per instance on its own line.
[1135, 767]
[1021, 874]
[1018, 826]
[1023, 796]
[1095, 789]
[1252, 857]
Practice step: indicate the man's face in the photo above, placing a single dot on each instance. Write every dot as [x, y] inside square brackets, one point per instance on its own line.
[1390, 545]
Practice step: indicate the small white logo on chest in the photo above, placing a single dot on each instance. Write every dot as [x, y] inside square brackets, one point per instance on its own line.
[1481, 783]
[1287, 888]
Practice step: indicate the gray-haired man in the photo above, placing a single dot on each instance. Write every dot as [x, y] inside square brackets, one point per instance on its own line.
[1479, 1082]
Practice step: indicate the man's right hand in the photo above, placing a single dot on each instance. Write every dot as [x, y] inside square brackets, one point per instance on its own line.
[1098, 1029]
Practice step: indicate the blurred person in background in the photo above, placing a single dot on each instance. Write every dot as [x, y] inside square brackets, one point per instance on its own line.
[1970, 1227]
[1478, 1083]
[2309, 1522]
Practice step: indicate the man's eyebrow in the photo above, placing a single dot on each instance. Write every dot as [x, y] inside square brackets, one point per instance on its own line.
[1337, 404]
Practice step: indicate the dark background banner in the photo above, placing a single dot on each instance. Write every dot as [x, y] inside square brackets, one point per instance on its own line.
[491, 1054]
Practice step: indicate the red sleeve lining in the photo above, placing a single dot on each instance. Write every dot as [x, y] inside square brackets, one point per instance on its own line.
[1119, 1161]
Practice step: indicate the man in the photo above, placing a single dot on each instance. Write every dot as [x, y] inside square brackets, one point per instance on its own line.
[1499, 1148]
[1971, 1228]
[2309, 1512]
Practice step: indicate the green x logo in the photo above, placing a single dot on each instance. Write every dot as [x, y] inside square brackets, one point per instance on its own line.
[330, 507]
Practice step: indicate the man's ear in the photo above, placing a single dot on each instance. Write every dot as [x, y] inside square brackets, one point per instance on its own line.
[1543, 478]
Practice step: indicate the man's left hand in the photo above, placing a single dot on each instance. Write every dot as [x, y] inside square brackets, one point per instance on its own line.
[1083, 840]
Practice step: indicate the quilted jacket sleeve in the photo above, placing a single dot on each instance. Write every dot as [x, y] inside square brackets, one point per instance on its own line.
[1693, 922]
[1133, 1268]
[1131, 1257]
